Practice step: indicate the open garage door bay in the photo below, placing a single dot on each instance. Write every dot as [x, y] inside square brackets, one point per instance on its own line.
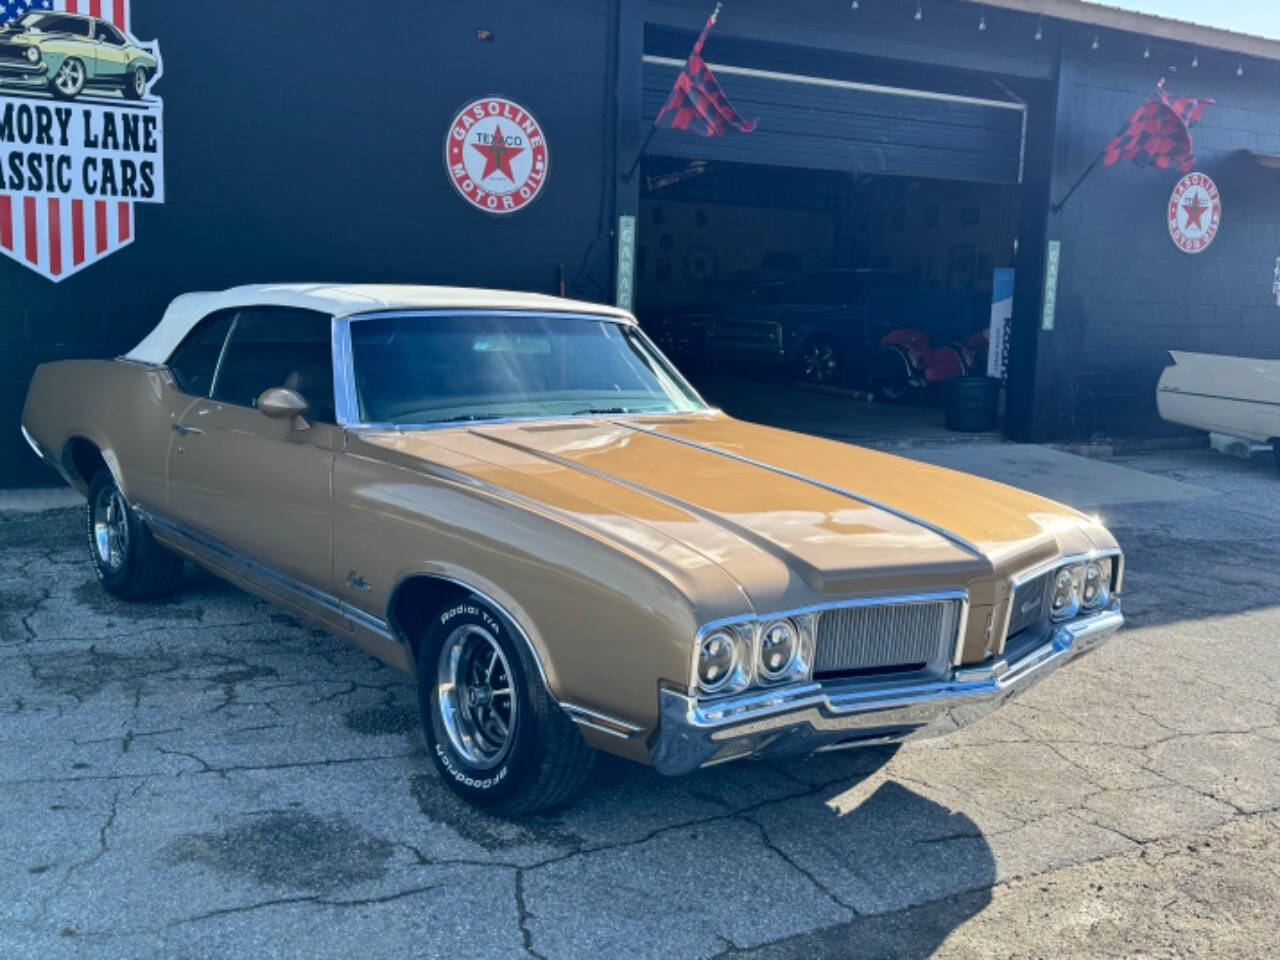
[831, 123]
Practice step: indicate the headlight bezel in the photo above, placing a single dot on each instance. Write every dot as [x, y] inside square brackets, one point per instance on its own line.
[730, 679]
[33, 54]
[748, 673]
[1105, 577]
[1110, 562]
[787, 668]
[1065, 582]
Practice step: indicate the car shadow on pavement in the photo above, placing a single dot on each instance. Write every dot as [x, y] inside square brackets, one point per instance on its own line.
[807, 857]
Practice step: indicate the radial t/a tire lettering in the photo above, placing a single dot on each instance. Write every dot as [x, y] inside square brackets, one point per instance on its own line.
[495, 734]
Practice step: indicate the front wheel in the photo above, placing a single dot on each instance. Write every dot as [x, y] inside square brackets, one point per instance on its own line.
[818, 361]
[495, 734]
[135, 83]
[129, 563]
[68, 83]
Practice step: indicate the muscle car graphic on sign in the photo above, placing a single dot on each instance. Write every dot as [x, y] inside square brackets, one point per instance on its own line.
[68, 53]
[81, 133]
[519, 501]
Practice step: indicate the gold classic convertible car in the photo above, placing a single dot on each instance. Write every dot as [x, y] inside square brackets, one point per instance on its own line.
[517, 499]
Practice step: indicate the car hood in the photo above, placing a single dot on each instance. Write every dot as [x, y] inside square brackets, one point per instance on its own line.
[773, 509]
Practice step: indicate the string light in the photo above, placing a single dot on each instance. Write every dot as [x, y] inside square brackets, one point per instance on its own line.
[1195, 59]
[1095, 45]
[1240, 68]
[1040, 28]
[853, 5]
[1146, 52]
[982, 18]
[919, 11]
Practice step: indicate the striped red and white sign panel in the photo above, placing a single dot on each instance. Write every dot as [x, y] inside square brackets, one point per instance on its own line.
[55, 234]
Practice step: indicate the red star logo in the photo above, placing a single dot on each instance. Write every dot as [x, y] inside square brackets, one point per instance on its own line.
[1195, 208]
[497, 155]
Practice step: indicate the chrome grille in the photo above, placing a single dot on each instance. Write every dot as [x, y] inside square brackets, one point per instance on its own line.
[1029, 602]
[885, 635]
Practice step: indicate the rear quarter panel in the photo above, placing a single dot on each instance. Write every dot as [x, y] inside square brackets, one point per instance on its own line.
[125, 409]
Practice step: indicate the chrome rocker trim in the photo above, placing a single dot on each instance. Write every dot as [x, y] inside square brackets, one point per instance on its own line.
[582, 716]
[269, 574]
[826, 716]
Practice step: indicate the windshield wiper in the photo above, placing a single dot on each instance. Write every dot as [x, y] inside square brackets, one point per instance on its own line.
[600, 410]
[470, 416]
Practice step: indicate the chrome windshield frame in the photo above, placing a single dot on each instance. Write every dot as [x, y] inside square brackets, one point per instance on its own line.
[347, 404]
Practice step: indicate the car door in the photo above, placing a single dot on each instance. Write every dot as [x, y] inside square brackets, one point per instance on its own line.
[256, 488]
[110, 51]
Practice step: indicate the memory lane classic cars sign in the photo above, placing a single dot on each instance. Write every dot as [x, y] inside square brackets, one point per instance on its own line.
[496, 156]
[1195, 213]
[81, 135]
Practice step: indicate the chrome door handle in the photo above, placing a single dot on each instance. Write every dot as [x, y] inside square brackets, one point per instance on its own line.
[181, 429]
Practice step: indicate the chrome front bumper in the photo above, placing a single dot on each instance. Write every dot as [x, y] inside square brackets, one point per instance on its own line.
[828, 716]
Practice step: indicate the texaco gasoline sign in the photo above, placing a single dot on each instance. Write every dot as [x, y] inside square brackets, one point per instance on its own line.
[496, 155]
[1195, 212]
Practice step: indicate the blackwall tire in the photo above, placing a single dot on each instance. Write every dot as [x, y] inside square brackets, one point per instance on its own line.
[469, 651]
[130, 564]
[135, 84]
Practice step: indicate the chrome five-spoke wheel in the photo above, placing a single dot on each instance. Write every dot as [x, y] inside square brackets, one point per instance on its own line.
[110, 528]
[477, 701]
[70, 78]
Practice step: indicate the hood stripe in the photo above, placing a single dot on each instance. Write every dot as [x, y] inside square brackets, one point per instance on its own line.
[787, 556]
[946, 534]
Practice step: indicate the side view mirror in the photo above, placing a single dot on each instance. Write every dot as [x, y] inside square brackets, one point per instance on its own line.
[281, 403]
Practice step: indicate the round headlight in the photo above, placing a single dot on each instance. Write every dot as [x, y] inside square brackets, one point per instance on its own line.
[717, 658]
[779, 645]
[1095, 590]
[1065, 601]
[33, 54]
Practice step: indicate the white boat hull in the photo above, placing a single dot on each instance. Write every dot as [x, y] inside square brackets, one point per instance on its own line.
[1238, 396]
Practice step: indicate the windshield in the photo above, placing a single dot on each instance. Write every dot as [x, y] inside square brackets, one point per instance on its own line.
[476, 366]
[55, 23]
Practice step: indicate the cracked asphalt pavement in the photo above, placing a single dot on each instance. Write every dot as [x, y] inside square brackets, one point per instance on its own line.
[208, 777]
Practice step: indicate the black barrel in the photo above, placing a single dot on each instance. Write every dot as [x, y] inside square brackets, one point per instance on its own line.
[972, 403]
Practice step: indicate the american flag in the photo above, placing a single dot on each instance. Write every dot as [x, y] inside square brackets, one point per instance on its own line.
[1159, 133]
[696, 100]
[57, 235]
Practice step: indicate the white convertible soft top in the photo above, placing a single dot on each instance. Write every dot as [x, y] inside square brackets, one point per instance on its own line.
[343, 300]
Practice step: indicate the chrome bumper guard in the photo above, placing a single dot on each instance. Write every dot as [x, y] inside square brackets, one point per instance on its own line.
[829, 716]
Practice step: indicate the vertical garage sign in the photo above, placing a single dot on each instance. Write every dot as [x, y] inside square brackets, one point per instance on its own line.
[626, 261]
[1051, 285]
[81, 133]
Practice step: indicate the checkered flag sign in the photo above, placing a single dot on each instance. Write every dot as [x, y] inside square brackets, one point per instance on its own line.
[1159, 133]
[697, 102]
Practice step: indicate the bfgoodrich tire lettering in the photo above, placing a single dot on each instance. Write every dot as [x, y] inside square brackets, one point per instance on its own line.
[492, 729]
[129, 563]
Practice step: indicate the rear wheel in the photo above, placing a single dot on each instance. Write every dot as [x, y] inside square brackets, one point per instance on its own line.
[892, 373]
[135, 83]
[495, 734]
[129, 562]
